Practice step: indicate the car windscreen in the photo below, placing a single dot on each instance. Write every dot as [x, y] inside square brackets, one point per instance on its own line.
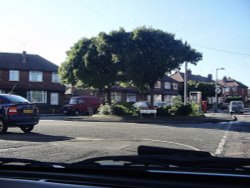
[237, 104]
[73, 101]
[17, 99]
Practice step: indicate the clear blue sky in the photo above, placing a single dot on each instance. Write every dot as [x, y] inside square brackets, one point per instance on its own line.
[218, 29]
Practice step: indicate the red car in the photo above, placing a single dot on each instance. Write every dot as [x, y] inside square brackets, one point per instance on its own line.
[81, 104]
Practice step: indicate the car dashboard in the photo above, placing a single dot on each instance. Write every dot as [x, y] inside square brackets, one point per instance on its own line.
[114, 177]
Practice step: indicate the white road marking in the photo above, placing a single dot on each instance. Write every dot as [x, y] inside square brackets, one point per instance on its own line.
[46, 120]
[221, 145]
[135, 139]
[176, 143]
[7, 149]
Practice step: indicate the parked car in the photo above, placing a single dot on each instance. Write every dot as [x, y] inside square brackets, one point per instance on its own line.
[146, 104]
[82, 104]
[16, 111]
[236, 107]
[141, 104]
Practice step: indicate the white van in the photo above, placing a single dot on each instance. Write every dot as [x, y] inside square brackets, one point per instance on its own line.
[236, 107]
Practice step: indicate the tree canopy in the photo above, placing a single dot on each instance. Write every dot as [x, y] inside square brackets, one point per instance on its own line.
[141, 57]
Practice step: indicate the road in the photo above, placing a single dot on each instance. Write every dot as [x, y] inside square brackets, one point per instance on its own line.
[71, 141]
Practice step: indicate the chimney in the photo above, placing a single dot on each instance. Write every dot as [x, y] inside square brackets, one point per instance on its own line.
[189, 73]
[210, 77]
[177, 70]
[224, 79]
[24, 56]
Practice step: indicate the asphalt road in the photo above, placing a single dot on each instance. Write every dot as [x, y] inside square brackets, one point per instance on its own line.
[71, 141]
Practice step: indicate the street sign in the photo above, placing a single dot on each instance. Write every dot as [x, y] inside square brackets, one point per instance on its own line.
[218, 90]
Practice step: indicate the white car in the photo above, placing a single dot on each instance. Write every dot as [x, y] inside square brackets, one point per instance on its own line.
[146, 104]
[236, 107]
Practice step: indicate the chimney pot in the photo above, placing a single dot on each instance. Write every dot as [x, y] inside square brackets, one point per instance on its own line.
[24, 56]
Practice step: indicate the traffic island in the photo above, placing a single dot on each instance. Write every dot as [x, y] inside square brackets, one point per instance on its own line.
[151, 119]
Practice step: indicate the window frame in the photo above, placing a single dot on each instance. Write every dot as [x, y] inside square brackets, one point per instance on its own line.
[114, 96]
[44, 97]
[51, 102]
[131, 95]
[53, 78]
[175, 86]
[169, 84]
[157, 85]
[18, 75]
[30, 77]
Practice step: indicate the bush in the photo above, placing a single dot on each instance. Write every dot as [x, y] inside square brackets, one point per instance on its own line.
[120, 110]
[179, 109]
[196, 109]
[164, 111]
[105, 109]
[128, 105]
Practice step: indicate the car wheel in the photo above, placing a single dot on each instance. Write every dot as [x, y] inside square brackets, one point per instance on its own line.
[3, 127]
[76, 112]
[27, 129]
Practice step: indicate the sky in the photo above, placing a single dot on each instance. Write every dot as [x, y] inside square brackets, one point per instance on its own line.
[219, 29]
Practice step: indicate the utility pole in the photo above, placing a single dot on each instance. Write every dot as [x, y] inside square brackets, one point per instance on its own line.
[185, 85]
[216, 90]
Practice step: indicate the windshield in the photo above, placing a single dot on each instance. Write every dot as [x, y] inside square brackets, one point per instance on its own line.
[73, 101]
[158, 73]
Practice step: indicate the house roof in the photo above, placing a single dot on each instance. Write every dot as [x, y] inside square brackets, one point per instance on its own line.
[199, 78]
[179, 76]
[230, 82]
[33, 62]
[169, 79]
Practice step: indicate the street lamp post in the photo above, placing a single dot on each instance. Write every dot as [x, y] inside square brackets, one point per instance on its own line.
[185, 85]
[216, 90]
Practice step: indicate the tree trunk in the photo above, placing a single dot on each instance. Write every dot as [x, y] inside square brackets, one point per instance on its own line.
[101, 96]
[152, 97]
[109, 96]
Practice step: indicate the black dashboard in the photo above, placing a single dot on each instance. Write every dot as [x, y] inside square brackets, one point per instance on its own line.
[113, 177]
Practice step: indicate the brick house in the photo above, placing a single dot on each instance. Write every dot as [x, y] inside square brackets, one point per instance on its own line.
[165, 90]
[232, 88]
[32, 77]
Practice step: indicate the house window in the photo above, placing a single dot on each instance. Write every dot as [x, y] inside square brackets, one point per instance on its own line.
[175, 86]
[116, 97]
[168, 98]
[2, 91]
[167, 85]
[157, 98]
[130, 97]
[158, 84]
[55, 78]
[37, 96]
[14, 75]
[54, 98]
[234, 88]
[227, 89]
[36, 76]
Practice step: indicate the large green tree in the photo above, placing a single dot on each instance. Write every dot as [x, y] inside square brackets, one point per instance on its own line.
[154, 53]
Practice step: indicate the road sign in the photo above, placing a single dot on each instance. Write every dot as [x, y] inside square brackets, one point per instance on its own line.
[218, 90]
